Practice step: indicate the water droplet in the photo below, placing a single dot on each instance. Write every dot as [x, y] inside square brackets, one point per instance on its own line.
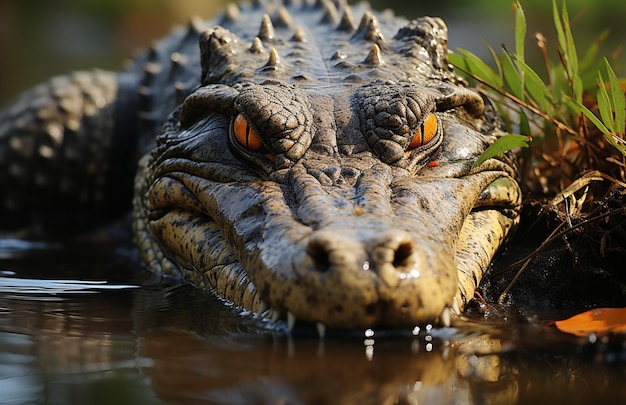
[369, 352]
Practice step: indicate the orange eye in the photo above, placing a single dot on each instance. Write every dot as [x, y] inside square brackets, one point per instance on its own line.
[425, 133]
[246, 135]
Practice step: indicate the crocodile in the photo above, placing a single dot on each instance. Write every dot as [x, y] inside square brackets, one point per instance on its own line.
[306, 161]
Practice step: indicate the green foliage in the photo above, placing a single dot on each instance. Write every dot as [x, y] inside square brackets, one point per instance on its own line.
[501, 145]
[612, 108]
[520, 32]
[517, 88]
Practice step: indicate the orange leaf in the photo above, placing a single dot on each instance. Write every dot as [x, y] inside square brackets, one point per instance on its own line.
[600, 321]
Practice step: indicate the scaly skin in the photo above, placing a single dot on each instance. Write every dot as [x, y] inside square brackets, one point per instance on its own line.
[340, 212]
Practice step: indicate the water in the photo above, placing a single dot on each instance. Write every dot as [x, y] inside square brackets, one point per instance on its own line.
[85, 324]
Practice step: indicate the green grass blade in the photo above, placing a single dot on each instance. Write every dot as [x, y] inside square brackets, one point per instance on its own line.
[567, 46]
[458, 61]
[503, 144]
[581, 109]
[524, 123]
[577, 87]
[617, 96]
[537, 89]
[520, 31]
[496, 60]
[560, 33]
[592, 52]
[570, 49]
[513, 77]
[604, 104]
[481, 69]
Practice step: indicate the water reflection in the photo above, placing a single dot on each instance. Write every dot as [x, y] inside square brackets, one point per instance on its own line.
[59, 348]
[64, 339]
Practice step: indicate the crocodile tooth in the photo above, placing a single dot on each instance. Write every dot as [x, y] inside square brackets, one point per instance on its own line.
[445, 317]
[261, 308]
[374, 58]
[274, 315]
[257, 46]
[321, 329]
[455, 306]
[266, 32]
[346, 24]
[291, 320]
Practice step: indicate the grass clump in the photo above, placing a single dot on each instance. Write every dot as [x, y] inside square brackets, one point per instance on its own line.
[574, 109]
[571, 112]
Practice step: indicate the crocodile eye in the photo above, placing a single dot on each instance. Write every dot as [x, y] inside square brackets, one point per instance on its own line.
[246, 135]
[425, 133]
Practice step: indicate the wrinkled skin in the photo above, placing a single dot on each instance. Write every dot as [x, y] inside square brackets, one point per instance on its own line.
[350, 200]
[337, 220]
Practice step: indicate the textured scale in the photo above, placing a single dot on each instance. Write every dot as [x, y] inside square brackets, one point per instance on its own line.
[306, 160]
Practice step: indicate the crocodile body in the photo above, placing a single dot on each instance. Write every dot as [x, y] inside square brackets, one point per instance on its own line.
[309, 167]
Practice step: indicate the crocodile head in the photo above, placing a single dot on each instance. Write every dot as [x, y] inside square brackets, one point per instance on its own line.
[323, 172]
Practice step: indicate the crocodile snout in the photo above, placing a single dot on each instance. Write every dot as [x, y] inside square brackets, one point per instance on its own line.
[356, 277]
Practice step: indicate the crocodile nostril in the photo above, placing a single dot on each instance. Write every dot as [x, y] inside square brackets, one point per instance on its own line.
[327, 251]
[402, 254]
[320, 255]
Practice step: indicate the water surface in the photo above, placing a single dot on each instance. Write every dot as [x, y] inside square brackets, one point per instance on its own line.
[81, 324]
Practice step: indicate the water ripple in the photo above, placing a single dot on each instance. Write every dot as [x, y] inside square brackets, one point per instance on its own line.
[16, 285]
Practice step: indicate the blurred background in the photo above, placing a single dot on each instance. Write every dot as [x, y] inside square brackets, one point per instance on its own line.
[41, 38]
